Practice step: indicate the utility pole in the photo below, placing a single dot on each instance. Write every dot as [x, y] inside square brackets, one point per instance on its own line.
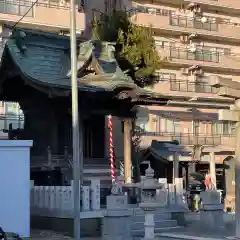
[75, 123]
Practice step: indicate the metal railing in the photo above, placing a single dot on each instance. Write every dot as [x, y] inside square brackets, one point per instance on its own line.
[21, 7]
[17, 121]
[190, 86]
[188, 138]
[16, 7]
[199, 55]
[190, 22]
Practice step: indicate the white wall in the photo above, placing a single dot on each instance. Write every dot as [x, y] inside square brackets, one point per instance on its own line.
[15, 186]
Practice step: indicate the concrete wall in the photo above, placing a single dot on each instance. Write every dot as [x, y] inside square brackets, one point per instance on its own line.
[15, 185]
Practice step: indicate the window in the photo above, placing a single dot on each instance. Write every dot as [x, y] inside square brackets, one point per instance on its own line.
[202, 85]
[162, 77]
[163, 44]
[168, 125]
[20, 7]
[223, 128]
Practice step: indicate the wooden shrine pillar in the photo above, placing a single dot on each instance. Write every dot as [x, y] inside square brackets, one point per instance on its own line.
[127, 151]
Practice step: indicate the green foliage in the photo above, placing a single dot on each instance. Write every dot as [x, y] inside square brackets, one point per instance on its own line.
[135, 46]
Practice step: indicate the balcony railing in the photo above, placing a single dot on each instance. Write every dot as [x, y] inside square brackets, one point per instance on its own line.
[190, 86]
[17, 121]
[16, 7]
[190, 22]
[23, 7]
[205, 56]
[188, 138]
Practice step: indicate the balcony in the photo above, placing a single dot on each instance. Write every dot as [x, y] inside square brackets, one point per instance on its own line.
[166, 21]
[184, 139]
[53, 14]
[190, 86]
[216, 4]
[206, 59]
[194, 86]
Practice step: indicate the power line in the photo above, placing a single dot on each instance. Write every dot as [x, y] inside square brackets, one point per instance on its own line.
[33, 4]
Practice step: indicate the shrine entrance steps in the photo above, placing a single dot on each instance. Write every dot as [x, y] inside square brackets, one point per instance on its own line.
[163, 222]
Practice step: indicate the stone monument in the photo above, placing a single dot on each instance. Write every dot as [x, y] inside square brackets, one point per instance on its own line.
[211, 210]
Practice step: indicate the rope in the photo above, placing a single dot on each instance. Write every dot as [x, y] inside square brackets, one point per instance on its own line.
[111, 154]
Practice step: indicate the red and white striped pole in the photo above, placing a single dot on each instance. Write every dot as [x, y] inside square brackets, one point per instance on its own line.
[111, 154]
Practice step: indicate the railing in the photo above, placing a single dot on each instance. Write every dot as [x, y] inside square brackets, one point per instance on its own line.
[17, 121]
[21, 7]
[188, 138]
[190, 22]
[59, 199]
[191, 86]
[16, 7]
[205, 56]
[56, 201]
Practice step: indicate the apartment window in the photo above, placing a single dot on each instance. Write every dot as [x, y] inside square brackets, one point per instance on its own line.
[20, 7]
[223, 128]
[202, 85]
[162, 77]
[164, 44]
[168, 125]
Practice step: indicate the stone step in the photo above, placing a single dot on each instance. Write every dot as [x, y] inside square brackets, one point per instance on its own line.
[157, 217]
[158, 212]
[140, 233]
[158, 224]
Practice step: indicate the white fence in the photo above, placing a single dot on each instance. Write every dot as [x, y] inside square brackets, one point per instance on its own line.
[58, 200]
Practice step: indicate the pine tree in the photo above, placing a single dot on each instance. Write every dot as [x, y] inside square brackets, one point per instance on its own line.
[135, 45]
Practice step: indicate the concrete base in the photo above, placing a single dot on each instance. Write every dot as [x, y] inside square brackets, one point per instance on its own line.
[89, 227]
[212, 219]
[117, 225]
[179, 217]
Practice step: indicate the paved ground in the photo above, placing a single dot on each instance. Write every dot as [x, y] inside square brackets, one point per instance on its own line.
[193, 232]
[50, 235]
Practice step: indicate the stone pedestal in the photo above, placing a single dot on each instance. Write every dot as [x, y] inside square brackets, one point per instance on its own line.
[116, 223]
[211, 211]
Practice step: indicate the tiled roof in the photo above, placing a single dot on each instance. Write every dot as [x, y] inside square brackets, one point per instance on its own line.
[44, 58]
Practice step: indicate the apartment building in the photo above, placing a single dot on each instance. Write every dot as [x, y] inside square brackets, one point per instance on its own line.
[198, 40]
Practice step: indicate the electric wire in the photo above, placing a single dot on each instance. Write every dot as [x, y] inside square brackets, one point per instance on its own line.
[30, 8]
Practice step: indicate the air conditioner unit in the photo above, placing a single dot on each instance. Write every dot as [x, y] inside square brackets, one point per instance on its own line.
[191, 5]
[193, 68]
[184, 71]
[198, 72]
[192, 47]
[192, 35]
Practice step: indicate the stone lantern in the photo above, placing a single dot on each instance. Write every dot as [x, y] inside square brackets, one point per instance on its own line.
[150, 201]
